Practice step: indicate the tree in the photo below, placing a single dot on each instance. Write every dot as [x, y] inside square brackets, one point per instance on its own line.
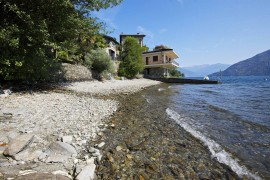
[175, 73]
[94, 5]
[131, 58]
[30, 33]
[34, 35]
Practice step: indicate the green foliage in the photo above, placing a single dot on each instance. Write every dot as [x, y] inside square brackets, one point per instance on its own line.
[63, 55]
[99, 61]
[95, 5]
[131, 58]
[145, 48]
[30, 32]
[35, 35]
[176, 73]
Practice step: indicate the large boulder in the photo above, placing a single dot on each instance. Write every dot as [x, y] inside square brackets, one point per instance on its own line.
[18, 144]
[62, 148]
[88, 172]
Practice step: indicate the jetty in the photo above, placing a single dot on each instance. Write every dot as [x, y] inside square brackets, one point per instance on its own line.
[186, 81]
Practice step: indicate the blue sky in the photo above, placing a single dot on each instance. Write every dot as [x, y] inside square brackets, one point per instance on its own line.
[200, 31]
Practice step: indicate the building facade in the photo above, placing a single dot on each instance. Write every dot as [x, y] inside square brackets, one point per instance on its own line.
[112, 47]
[159, 61]
[137, 36]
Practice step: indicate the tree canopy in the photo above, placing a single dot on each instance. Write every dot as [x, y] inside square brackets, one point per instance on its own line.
[131, 58]
[34, 35]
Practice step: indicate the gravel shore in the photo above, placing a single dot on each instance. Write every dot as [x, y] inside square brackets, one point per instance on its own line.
[111, 87]
[45, 134]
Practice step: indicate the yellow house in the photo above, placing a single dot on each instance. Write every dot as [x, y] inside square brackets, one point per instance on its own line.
[159, 61]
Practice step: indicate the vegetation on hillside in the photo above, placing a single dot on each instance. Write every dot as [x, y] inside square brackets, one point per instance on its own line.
[131, 58]
[35, 35]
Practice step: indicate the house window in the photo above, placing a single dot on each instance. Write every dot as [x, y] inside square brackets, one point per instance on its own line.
[155, 58]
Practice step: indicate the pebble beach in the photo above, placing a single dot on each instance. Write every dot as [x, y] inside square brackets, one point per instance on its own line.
[55, 134]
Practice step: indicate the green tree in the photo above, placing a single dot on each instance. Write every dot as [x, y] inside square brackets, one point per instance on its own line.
[131, 58]
[30, 33]
[176, 73]
[94, 5]
[35, 34]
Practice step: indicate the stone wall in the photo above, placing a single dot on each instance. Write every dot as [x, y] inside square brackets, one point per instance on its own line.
[154, 72]
[73, 72]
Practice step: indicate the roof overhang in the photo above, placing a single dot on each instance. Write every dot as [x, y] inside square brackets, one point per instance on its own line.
[111, 38]
[168, 52]
[172, 54]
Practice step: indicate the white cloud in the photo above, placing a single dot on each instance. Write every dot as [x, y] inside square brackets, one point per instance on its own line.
[145, 31]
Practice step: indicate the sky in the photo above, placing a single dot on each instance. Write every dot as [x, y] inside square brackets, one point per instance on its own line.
[199, 31]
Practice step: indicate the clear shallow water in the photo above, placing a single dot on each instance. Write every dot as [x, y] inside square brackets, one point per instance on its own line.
[235, 114]
[232, 118]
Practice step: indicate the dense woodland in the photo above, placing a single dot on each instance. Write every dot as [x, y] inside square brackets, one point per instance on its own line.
[35, 36]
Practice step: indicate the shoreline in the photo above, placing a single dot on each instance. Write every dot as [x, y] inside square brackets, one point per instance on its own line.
[146, 144]
[46, 134]
[111, 142]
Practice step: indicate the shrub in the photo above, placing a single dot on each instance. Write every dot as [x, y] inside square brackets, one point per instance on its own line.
[99, 61]
[176, 73]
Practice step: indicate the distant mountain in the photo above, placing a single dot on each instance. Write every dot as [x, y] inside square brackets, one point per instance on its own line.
[202, 70]
[258, 65]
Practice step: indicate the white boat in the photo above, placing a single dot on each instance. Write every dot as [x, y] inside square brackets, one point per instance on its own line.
[206, 78]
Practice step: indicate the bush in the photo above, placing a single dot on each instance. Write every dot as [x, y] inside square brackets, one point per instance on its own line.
[99, 61]
[62, 55]
[176, 73]
[131, 58]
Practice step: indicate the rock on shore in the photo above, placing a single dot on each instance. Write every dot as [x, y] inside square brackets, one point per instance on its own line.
[47, 134]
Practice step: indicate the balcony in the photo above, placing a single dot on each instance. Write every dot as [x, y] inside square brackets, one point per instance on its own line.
[168, 64]
[174, 63]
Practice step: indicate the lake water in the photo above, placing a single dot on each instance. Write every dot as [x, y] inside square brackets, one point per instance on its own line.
[232, 119]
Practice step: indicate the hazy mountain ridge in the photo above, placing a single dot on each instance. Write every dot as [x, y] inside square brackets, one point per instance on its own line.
[202, 70]
[258, 65]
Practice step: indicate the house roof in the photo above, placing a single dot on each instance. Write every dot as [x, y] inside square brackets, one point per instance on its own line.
[159, 50]
[131, 35]
[170, 51]
[111, 39]
[137, 35]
